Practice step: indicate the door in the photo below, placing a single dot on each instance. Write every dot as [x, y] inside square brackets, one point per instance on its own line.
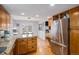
[41, 32]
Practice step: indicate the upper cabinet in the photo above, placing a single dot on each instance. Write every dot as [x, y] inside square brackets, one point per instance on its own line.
[4, 18]
[74, 17]
[50, 20]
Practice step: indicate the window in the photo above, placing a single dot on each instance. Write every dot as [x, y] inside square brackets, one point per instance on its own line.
[27, 31]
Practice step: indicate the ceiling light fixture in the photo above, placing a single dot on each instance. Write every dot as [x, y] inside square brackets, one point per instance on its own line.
[52, 4]
[36, 15]
[22, 13]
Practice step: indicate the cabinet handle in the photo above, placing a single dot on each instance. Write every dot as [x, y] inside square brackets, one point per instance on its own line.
[32, 47]
[32, 41]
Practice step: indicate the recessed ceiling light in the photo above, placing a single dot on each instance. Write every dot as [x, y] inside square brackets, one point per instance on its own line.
[36, 15]
[22, 13]
[52, 4]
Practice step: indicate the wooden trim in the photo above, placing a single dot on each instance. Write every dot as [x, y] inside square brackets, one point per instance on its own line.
[69, 36]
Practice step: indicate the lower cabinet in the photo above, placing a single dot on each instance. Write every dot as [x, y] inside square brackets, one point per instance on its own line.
[32, 44]
[74, 42]
[21, 46]
[25, 45]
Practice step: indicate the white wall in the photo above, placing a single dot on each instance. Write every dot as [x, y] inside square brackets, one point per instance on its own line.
[41, 34]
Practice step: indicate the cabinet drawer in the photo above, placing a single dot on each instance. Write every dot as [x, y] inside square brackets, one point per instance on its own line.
[22, 42]
[32, 41]
[33, 44]
[32, 48]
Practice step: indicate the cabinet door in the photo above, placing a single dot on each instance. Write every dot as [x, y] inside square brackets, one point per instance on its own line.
[3, 18]
[0, 20]
[74, 17]
[8, 20]
[74, 42]
[32, 44]
[21, 47]
[50, 21]
[74, 30]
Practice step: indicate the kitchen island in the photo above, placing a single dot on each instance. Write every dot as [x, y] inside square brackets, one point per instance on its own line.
[25, 45]
[20, 46]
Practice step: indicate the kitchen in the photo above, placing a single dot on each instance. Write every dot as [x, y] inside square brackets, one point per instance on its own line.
[52, 33]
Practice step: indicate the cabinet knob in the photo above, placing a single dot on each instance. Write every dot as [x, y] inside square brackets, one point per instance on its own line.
[32, 47]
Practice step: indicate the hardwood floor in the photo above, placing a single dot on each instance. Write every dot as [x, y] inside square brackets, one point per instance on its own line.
[43, 48]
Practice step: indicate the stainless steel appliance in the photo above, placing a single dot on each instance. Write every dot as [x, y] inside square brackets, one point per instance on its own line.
[59, 32]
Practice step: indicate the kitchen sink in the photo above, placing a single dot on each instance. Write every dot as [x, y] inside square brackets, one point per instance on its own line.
[2, 49]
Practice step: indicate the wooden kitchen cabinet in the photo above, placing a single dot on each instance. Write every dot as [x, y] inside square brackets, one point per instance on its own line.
[74, 30]
[74, 16]
[50, 21]
[32, 44]
[25, 45]
[4, 18]
[74, 42]
[8, 20]
[20, 46]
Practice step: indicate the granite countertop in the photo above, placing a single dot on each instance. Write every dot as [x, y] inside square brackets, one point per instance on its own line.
[9, 44]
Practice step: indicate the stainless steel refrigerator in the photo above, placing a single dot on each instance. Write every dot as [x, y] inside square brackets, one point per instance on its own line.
[59, 32]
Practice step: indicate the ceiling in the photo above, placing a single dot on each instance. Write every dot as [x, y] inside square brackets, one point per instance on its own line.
[43, 10]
